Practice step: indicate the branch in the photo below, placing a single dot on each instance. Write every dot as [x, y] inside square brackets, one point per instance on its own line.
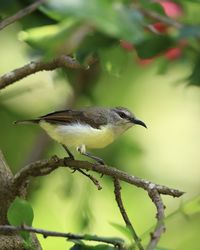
[62, 61]
[20, 14]
[7, 195]
[43, 167]
[160, 227]
[92, 178]
[124, 214]
[164, 19]
[46, 233]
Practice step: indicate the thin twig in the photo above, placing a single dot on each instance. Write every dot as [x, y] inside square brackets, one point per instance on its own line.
[20, 14]
[160, 227]
[92, 178]
[127, 221]
[62, 61]
[163, 19]
[118, 242]
[44, 167]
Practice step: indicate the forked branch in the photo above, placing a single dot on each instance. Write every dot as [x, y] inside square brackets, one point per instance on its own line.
[44, 167]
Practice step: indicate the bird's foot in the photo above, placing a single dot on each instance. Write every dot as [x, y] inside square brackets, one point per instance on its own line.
[97, 159]
[74, 170]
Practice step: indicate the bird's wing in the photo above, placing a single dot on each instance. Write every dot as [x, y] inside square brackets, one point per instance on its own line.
[72, 116]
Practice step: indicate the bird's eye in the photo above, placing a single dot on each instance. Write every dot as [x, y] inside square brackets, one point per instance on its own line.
[122, 115]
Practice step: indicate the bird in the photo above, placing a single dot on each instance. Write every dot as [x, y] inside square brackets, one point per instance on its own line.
[90, 127]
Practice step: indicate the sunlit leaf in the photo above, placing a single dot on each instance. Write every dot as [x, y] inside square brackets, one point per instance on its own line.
[113, 18]
[50, 38]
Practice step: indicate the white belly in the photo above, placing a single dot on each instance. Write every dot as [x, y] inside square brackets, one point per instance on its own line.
[79, 134]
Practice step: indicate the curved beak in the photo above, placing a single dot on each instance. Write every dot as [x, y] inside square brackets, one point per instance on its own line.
[138, 122]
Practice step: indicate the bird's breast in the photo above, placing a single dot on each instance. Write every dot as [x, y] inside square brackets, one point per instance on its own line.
[77, 134]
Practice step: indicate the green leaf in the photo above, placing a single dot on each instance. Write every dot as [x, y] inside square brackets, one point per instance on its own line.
[20, 212]
[192, 207]
[156, 7]
[153, 46]
[50, 38]
[111, 17]
[124, 230]
[194, 78]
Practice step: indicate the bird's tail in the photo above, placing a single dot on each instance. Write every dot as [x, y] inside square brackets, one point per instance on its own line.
[26, 121]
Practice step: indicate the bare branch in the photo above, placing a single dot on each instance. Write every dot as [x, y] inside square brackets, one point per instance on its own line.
[118, 242]
[160, 227]
[44, 167]
[20, 14]
[92, 178]
[62, 61]
[127, 221]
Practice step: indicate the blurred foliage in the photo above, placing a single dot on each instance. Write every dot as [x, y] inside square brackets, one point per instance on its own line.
[136, 68]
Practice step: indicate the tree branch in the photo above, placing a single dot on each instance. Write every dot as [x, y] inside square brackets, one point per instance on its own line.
[160, 227]
[62, 61]
[127, 221]
[20, 14]
[164, 19]
[92, 178]
[44, 167]
[46, 233]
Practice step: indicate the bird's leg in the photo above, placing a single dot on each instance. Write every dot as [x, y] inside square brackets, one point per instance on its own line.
[82, 149]
[70, 156]
[69, 153]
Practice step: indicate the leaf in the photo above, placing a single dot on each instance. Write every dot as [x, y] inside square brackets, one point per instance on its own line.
[153, 46]
[124, 230]
[192, 207]
[20, 212]
[111, 17]
[194, 78]
[151, 6]
[50, 38]
[189, 208]
[92, 44]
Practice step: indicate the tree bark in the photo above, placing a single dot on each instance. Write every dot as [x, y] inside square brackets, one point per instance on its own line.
[11, 241]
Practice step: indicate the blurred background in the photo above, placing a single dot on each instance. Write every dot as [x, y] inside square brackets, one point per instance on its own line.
[154, 88]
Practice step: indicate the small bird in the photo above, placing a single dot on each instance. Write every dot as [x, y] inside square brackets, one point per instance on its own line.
[93, 127]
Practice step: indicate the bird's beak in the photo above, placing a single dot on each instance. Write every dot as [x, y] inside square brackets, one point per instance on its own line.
[138, 122]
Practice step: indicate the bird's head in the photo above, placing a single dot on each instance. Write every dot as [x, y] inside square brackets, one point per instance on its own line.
[125, 119]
